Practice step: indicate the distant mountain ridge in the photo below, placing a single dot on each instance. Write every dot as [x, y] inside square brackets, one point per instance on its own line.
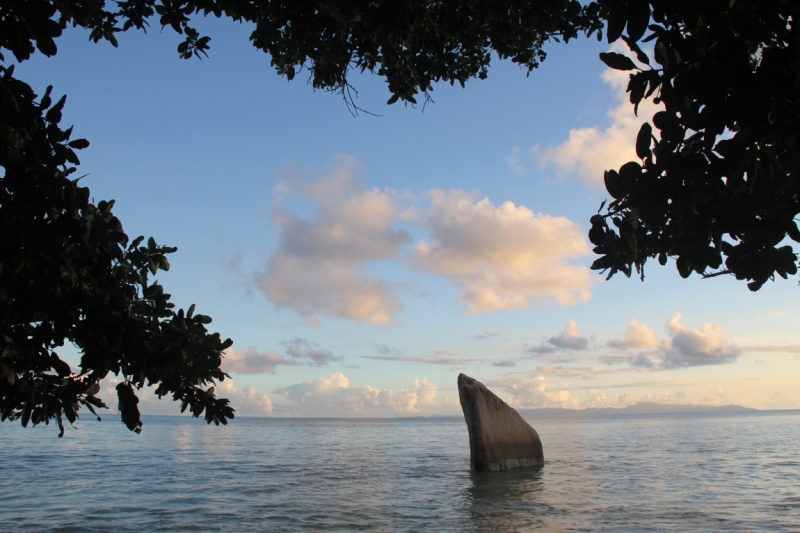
[639, 408]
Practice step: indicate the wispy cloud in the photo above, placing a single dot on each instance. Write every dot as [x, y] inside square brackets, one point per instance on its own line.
[251, 361]
[385, 349]
[299, 351]
[303, 350]
[444, 357]
[773, 348]
[776, 313]
[514, 161]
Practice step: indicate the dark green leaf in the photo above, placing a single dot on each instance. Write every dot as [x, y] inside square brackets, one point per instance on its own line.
[643, 141]
[617, 61]
[638, 18]
[79, 144]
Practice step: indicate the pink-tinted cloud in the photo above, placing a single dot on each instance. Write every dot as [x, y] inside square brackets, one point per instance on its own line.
[503, 258]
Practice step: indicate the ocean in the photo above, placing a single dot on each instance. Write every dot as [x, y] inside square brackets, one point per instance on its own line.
[677, 472]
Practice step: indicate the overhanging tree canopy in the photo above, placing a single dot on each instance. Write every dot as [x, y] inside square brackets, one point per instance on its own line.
[716, 182]
[68, 273]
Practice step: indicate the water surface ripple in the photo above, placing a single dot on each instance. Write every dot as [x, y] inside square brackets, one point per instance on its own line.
[692, 472]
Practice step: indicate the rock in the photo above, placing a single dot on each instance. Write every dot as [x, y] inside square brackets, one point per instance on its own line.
[499, 439]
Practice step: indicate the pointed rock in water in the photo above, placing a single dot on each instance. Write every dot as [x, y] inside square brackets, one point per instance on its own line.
[499, 439]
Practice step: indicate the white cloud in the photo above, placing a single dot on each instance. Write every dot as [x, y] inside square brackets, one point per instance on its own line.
[627, 398]
[591, 151]
[503, 258]
[333, 396]
[679, 397]
[539, 392]
[595, 399]
[686, 347]
[246, 402]
[569, 339]
[250, 361]
[707, 345]
[318, 267]
[636, 335]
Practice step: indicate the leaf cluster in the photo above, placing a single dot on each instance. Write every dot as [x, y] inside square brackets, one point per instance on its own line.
[413, 44]
[716, 185]
[68, 274]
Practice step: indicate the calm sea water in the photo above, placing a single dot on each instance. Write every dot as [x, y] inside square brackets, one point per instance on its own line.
[693, 472]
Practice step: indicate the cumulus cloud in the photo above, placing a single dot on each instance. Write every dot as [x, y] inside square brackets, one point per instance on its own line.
[595, 399]
[707, 345]
[627, 398]
[318, 267]
[503, 258]
[247, 402]
[636, 335]
[589, 152]
[569, 339]
[333, 396]
[686, 347]
[539, 392]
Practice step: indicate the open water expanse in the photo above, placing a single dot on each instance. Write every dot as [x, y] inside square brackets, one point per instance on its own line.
[688, 472]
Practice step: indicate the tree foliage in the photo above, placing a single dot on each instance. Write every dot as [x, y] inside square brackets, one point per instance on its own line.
[715, 185]
[413, 43]
[717, 180]
[68, 274]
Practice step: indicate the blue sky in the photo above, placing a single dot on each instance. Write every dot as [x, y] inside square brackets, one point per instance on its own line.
[360, 263]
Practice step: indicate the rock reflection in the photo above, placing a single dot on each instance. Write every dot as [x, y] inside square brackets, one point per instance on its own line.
[507, 500]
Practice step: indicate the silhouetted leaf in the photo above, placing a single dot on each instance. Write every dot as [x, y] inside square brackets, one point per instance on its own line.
[643, 141]
[617, 61]
[638, 18]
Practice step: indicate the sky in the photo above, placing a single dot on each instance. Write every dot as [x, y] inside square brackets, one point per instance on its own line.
[360, 263]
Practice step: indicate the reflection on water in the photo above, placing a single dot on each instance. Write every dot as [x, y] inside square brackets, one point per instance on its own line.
[507, 500]
[725, 472]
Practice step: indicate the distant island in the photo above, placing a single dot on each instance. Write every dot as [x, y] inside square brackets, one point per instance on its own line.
[639, 408]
